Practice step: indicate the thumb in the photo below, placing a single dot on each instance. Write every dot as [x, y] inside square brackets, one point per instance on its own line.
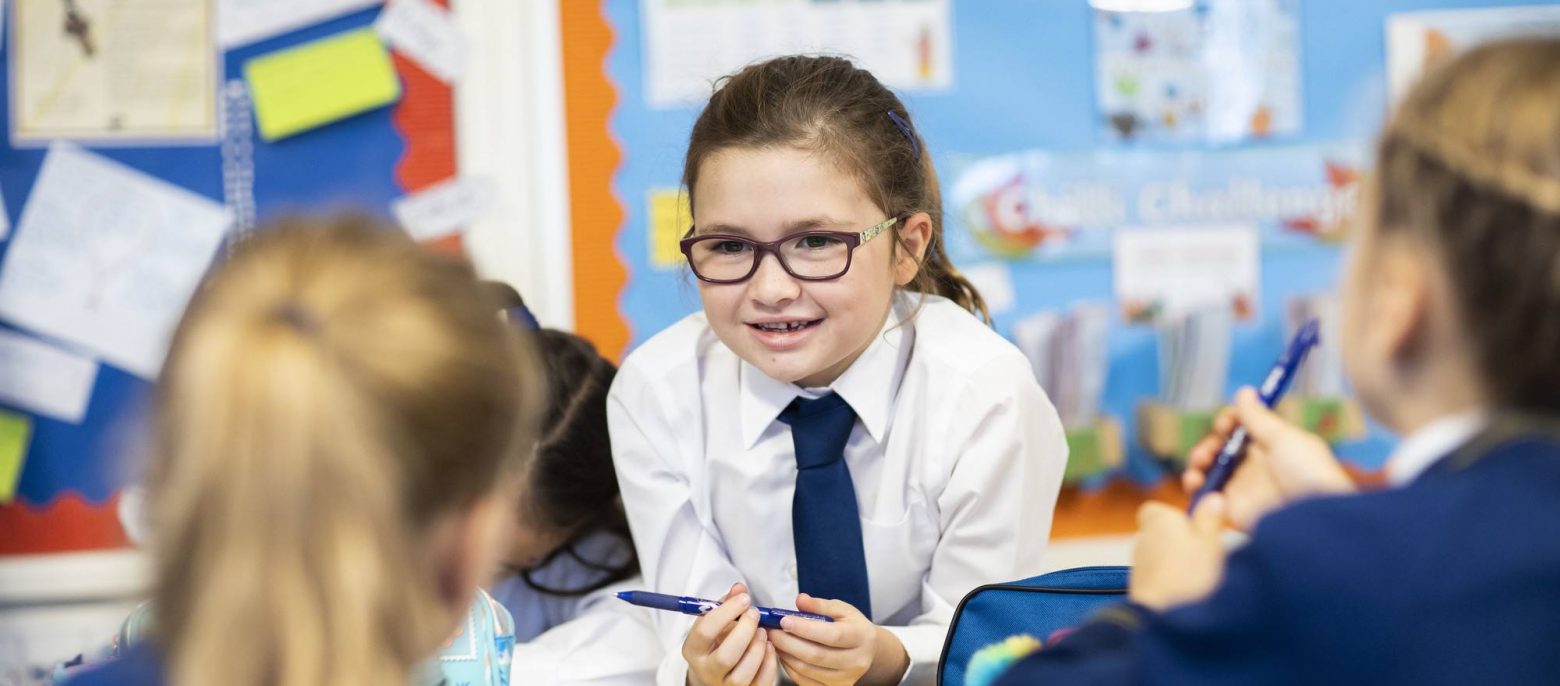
[1208, 519]
[1261, 423]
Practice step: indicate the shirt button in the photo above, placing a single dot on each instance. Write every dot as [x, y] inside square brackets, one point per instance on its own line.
[790, 570]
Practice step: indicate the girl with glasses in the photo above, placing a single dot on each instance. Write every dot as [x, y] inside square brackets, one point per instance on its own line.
[838, 430]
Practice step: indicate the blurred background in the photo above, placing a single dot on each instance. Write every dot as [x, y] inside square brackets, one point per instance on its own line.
[1151, 194]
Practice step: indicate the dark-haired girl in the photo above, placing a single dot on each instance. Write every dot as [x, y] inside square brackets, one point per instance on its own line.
[570, 549]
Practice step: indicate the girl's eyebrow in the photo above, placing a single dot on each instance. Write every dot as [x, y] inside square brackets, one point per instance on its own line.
[808, 224]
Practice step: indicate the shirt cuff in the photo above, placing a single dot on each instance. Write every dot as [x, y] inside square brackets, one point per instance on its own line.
[924, 644]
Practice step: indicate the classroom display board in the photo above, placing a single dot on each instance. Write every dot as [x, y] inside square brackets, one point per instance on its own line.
[142, 139]
[1149, 203]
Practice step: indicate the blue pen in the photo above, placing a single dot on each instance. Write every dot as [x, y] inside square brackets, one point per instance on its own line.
[1272, 389]
[768, 617]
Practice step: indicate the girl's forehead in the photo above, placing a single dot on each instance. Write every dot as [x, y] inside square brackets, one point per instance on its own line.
[775, 185]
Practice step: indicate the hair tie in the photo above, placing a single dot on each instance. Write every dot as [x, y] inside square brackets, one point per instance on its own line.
[904, 128]
[300, 319]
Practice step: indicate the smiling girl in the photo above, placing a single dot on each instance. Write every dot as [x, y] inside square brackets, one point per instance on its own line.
[837, 430]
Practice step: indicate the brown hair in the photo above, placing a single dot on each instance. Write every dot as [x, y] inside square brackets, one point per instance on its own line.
[570, 483]
[332, 393]
[828, 104]
[1470, 163]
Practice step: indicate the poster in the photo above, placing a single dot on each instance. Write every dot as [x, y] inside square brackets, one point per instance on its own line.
[1043, 205]
[131, 71]
[690, 44]
[105, 258]
[1168, 272]
[1223, 71]
[1417, 41]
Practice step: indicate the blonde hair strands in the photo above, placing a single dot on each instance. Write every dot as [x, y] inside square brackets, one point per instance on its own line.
[1470, 164]
[333, 392]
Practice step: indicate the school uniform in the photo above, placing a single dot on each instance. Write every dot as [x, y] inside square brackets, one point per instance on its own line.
[955, 457]
[1451, 577]
[589, 638]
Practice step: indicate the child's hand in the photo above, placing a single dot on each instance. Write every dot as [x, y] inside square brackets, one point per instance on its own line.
[849, 650]
[725, 646]
[1283, 462]
[1177, 559]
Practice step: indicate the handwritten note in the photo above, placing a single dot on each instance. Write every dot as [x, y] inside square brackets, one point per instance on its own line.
[320, 82]
[106, 257]
[444, 208]
[15, 434]
[41, 378]
[427, 34]
[241, 22]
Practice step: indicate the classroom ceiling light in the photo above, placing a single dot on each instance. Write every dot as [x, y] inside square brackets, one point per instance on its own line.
[1141, 5]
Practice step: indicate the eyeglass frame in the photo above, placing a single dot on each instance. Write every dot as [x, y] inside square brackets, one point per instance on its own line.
[851, 240]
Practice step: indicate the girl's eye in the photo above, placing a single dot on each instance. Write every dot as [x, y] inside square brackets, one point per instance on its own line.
[730, 247]
[817, 242]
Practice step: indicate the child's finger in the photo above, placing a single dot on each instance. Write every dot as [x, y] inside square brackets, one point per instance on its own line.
[752, 660]
[1208, 519]
[837, 609]
[707, 630]
[769, 672]
[1262, 423]
[811, 652]
[799, 671]
[730, 650]
[1154, 515]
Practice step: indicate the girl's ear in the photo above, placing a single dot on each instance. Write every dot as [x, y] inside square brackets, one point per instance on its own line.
[1400, 303]
[915, 234]
[467, 545]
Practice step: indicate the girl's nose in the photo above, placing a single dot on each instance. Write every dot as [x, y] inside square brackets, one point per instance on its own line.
[771, 285]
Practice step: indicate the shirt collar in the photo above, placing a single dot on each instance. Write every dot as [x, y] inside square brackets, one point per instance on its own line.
[868, 385]
[1430, 443]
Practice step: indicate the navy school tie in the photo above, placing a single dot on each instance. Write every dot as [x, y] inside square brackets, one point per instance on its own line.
[825, 522]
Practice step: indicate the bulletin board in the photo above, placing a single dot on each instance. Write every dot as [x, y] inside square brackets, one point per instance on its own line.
[72, 477]
[1016, 83]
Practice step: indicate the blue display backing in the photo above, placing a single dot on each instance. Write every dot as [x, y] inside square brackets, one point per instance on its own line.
[1023, 80]
[346, 165]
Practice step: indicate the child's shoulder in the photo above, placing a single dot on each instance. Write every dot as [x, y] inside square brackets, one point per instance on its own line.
[952, 339]
[673, 353]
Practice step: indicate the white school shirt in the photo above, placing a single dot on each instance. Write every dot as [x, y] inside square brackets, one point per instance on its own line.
[1435, 440]
[591, 639]
[956, 457]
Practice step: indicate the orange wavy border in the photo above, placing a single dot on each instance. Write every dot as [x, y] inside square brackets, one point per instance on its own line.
[596, 216]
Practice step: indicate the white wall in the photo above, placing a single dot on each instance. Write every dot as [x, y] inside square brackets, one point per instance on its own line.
[509, 124]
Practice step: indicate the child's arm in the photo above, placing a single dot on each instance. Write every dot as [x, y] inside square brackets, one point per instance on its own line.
[677, 555]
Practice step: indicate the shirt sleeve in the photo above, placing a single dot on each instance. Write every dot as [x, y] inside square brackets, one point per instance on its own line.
[678, 554]
[1008, 453]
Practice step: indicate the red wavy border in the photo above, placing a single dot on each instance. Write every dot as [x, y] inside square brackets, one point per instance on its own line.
[425, 120]
[67, 524]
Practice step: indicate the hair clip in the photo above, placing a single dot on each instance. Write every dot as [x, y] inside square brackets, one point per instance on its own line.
[904, 128]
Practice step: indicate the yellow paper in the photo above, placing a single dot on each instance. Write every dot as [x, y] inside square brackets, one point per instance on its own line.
[669, 220]
[316, 83]
[15, 433]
